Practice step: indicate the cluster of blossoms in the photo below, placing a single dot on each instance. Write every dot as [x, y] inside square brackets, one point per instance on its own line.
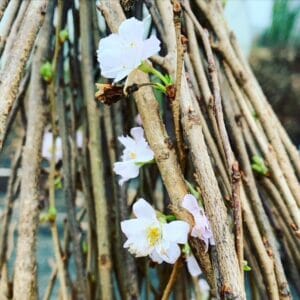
[149, 233]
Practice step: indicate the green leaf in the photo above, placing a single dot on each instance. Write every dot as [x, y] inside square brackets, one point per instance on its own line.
[141, 164]
[170, 218]
[63, 36]
[52, 213]
[193, 191]
[58, 183]
[85, 247]
[186, 249]
[47, 72]
[246, 267]
[258, 165]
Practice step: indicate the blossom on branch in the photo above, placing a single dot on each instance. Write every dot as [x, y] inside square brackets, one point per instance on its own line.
[120, 53]
[137, 152]
[193, 266]
[201, 228]
[147, 235]
[47, 147]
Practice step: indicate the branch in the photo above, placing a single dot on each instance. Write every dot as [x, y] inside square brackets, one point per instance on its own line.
[12, 71]
[25, 285]
[95, 152]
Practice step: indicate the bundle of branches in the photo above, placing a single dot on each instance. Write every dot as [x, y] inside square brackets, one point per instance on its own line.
[210, 127]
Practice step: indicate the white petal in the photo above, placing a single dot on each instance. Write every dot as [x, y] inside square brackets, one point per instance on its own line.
[204, 287]
[193, 266]
[134, 227]
[190, 203]
[151, 47]
[144, 154]
[176, 232]
[47, 145]
[127, 142]
[137, 133]
[79, 138]
[113, 61]
[123, 73]
[142, 209]
[138, 245]
[127, 170]
[156, 257]
[132, 29]
[138, 120]
[58, 150]
[169, 253]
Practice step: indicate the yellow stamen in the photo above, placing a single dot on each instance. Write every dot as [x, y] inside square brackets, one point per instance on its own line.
[153, 235]
[133, 155]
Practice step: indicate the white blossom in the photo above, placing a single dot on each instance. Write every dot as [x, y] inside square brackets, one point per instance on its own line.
[138, 120]
[147, 235]
[204, 288]
[193, 266]
[136, 153]
[122, 52]
[201, 228]
[47, 147]
[79, 138]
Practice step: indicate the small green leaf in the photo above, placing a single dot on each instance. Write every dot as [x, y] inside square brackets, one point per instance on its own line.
[247, 268]
[141, 164]
[186, 249]
[52, 213]
[168, 79]
[258, 165]
[193, 190]
[170, 218]
[58, 183]
[63, 36]
[160, 87]
[85, 247]
[255, 115]
[46, 71]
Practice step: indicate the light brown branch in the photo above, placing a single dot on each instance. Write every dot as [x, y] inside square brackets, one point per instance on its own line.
[172, 280]
[25, 284]
[12, 72]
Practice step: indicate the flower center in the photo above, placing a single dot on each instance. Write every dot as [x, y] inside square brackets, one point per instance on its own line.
[132, 45]
[133, 155]
[153, 235]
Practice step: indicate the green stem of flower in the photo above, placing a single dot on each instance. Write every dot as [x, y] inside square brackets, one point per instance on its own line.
[146, 68]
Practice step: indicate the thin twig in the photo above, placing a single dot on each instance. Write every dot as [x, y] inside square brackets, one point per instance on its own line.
[172, 280]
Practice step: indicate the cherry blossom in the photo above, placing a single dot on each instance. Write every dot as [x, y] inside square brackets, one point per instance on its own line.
[137, 152]
[120, 53]
[138, 120]
[192, 266]
[47, 147]
[201, 228]
[148, 235]
[204, 288]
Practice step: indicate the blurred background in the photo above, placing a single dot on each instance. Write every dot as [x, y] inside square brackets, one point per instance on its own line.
[269, 34]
